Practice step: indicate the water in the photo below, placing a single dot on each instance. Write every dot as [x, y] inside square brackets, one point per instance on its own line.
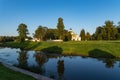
[63, 67]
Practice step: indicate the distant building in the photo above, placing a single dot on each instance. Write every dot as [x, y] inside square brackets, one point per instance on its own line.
[35, 40]
[55, 40]
[75, 37]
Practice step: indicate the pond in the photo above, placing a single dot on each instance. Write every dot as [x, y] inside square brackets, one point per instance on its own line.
[61, 67]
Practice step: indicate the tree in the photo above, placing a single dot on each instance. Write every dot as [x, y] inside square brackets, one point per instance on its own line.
[51, 34]
[114, 33]
[40, 33]
[88, 36]
[82, 34]
[111, 30]
[118, 30]
[67, 35]
[118, 27]
[98, 33]
[93, 37]
[60, 27]
[107, 32]
[22, 31]
[104, 34]
[7, 38]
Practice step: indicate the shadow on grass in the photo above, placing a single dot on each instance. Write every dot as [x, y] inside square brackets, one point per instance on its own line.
[53, 49]
[27, 45]
[34, 46]
[23, 45]
[97, 53]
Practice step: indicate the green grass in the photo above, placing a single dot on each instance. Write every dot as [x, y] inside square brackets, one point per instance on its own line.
[84, 48]
[7, 74]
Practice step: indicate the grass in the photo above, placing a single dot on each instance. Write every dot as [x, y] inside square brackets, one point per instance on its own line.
[84, 48]
[7, 74]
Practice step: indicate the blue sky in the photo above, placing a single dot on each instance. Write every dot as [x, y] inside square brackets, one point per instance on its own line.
[77, 14]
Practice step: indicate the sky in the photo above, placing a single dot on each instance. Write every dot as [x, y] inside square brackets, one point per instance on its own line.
[76, 14]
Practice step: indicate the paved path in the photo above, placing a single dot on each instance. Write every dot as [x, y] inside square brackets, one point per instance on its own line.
[36, 76]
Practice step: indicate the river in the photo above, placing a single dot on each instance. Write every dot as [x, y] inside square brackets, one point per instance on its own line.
[60, 67]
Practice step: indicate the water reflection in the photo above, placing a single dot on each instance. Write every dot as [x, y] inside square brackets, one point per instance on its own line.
[40, 59]
[60, 69]
[22, 58]
[119, 64]
[109, 63]
[64, 67]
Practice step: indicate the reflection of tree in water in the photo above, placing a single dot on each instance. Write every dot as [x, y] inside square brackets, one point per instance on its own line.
[109, 63]
[40, 58]
[22, 59]
[60, 69]
[119, 64]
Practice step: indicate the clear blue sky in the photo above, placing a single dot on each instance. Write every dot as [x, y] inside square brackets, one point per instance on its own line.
[77, 14]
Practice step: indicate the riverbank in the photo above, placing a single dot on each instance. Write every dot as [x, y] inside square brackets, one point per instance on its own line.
[18, 73]
[83, 48]
[8, 74]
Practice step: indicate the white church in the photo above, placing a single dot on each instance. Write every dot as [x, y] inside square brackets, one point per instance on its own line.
[75, 37]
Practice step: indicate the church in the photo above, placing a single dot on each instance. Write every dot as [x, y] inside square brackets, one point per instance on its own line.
[75, 37]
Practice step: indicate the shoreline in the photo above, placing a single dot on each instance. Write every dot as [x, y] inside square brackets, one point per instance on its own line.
[26, 72]
[83, 48]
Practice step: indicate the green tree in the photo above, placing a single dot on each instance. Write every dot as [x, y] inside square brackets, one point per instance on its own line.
[88, 36]
[118, 29]
[40, 33]
[106, 32]
[22, 31]
[114, 33]
[67, 35]
[93, 37]
[98, 33]
[108, 27]
[82, 34]
[51, 34]
[60, 27]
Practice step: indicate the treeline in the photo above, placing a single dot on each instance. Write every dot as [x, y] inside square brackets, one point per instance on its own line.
[44, 33]
[108, 31]
[7, 38]
[85, 35]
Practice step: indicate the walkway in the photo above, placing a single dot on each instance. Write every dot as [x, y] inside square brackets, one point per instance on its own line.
[36, 76]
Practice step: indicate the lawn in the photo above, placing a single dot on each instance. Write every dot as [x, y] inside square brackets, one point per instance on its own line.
[84, 48]
[7, 74]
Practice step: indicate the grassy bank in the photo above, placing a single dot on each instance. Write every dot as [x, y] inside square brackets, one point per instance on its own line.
[7, 74]
[85, 48]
